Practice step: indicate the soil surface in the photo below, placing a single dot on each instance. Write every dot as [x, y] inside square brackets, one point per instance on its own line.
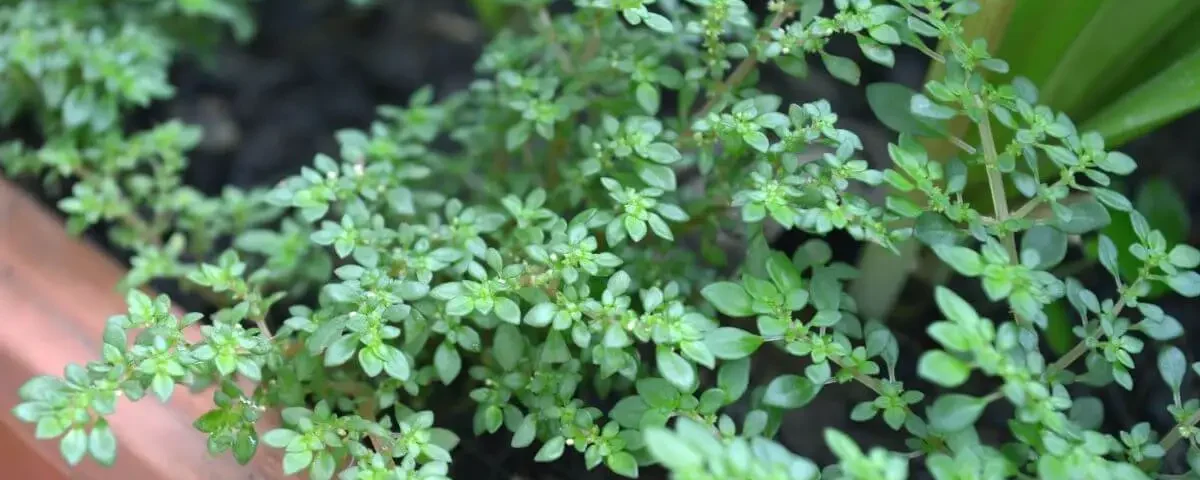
[318, 66]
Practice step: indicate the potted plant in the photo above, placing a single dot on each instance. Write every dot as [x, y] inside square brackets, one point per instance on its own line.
[544, 248]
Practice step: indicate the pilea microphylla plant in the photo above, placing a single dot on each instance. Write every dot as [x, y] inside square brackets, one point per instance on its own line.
[553, 230]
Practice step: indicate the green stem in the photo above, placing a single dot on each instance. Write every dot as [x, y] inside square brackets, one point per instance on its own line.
[1176, 434]
[1082, 347]
[995, 179]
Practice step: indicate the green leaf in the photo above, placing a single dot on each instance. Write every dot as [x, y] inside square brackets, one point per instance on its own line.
[659, 23]
[1045, 246]
[508, 311]
[954, 307]
[923, 107]
[395, 363]
[657, 176]
[964, 260]
[1186, 283]
[1164, 209]
[296, 461]
[1086, 216]
[943, 369]
[1170, 94]
[1184, 256]
[162, 385]
[279, 437]
[757, 140]
[671, 451]
[1102, 53]
[1172, 365]
[790, 391]
[102, 443]
[954, 412]
[734, 377]
[729, 343]
[934, 229]
[323, 466]
[890, 103]
[647, 97]
[526, 432]
[675, 369]
[842, 68]
[508, 346]
[729, 298]
[1108, 254]
[551, 450]
[447, 362]
[73, 446]
[622, 463]
[341, 350]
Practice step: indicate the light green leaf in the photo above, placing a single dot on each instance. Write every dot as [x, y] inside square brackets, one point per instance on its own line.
[790, 391]
[551, 450]
[1185, 283]
[622, 463]
[842, 68]
[675, 369]
[671, 451]
[296, 461]
[954, 412]
[647, 97]
[729, 343]
[1045, 246]
[729, 298]
[943, 369]
[659, 23]
[102, 444]
[1172, 365]
[73, 446]
[954, 307]
[447, 362]
[508, 311]
[890, 103]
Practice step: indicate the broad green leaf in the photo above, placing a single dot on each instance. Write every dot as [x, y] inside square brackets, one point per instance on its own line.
[675, 369]
[729, 343]
[102, 444]
[943, 369]
[790, 391]
[622, 463]
[74, 445]
[1044, 246]
[891, 103]
[954, 307]
[954, 412]
[551, 450]
[447, 362]
[1105, 49]
[729, 298]
[1167, 96]
[1172, 365]
[671, 451]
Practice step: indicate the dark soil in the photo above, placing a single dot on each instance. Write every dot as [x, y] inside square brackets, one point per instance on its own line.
[318, 66]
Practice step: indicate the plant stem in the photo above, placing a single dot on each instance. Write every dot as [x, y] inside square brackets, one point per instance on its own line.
[1175, 434]
[743, 69]
[995, 179]
[1082, 347]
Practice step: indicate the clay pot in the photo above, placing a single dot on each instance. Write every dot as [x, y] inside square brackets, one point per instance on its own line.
[56, 291]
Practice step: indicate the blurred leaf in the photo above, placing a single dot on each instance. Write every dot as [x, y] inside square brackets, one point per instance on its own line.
[890, 103]
[1169, 95]
[1105, 50]
[1040, 32]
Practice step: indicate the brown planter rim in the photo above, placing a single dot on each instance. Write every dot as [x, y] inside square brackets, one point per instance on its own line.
[56, 291]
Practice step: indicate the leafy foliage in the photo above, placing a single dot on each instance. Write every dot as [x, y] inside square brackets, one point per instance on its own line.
[548, 252]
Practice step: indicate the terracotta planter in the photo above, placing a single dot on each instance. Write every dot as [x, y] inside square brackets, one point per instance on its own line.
[55, 293]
